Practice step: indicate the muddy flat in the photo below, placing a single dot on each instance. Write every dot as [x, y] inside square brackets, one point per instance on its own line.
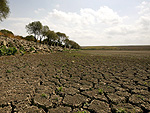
[84, 81]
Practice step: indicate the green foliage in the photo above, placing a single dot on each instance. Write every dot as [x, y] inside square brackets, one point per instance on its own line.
[7, 51]
[86, 104]
[62, 37]
[44, 32]
[8, 71]
[140, 96]
[50, 37]
[4, 9]
[72, 44]
[32, 49]
[120, 110]
[56, 98]
[22, 50]
[30, 38]
[100, 91]
[59, 89]
[43, 95]
[34, 28]
[5, 32]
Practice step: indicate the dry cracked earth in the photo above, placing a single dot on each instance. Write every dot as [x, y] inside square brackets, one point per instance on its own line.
[75, 83]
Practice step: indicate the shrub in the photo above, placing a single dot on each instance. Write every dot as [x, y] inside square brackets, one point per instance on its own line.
[11, 51]
[8, 71]
[120, 110]
[59, 89]
[22, 50]
[30, 38]
[7, 51]
[43, 95]
[32, 49]
[100, 91]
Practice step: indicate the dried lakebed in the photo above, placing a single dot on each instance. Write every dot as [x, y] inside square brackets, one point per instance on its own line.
[74, 83]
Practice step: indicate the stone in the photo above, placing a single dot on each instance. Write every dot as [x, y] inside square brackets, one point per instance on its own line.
[40, 48]
[3, 43]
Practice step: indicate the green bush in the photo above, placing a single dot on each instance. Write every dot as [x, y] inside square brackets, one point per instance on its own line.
[22, 50]
[100, 91]
[32, 49]
[7, 51]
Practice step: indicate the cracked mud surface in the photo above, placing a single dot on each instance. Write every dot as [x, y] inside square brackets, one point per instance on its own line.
[73, 82]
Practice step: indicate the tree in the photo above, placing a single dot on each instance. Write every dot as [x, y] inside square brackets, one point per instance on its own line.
[51, 37]
[71, 44]
[30, 38]
[62, 37]
[66, 41]
[74, 45]
[44, 32]
[7, 33]
[4, 9]
[34, 28]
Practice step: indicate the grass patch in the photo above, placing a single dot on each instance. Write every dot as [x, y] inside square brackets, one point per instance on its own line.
[120, 110]
[100, 91]
[43, 95]
[8, 71]
[60, 89]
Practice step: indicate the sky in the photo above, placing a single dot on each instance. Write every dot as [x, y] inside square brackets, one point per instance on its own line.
[88, 22]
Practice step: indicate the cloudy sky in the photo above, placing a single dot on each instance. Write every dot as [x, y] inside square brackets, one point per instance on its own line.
[88, 22]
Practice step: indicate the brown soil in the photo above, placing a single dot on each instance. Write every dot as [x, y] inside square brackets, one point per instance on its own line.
[73, 82]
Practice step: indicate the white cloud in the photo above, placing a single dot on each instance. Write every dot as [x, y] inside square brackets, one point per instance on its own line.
[93, 27]
[97, 27]
[85, 20]
[144, 8]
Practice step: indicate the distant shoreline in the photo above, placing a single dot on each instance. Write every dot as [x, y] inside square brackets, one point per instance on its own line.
[124, 47]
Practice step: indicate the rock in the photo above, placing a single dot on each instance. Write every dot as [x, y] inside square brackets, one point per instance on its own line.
[27, 45]
[3, 43]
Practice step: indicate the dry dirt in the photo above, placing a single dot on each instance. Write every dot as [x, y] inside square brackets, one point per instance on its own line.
[77, 82]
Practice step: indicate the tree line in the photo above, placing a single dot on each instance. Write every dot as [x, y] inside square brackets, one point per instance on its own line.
[43, 34]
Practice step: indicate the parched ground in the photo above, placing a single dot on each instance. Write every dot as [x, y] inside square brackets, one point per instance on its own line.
[77, 82]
